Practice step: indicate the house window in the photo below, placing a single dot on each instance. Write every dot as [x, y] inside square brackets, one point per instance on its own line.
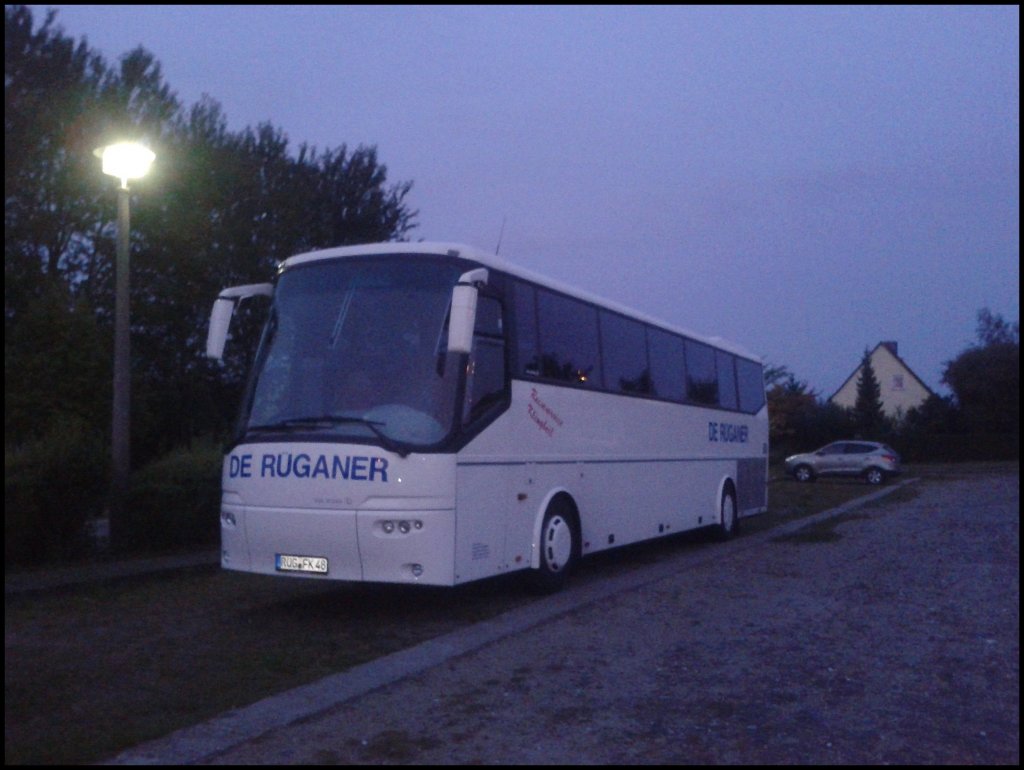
[897, 382]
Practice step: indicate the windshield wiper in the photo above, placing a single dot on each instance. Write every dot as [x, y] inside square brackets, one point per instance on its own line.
[301, 423]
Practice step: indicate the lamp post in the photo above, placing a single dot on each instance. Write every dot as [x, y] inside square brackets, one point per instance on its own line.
[125, 160]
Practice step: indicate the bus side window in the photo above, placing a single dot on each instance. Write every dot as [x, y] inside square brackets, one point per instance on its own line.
[527, 362]
[751, 385]
[568, 340]
[726, 380]
[668, 365]
[486, 385]
[624, 354]
[701, 378]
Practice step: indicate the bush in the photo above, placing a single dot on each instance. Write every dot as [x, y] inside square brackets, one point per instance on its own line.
[174, 501]
[52, 488]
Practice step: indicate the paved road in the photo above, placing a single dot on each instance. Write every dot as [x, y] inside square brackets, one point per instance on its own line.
[884, 634]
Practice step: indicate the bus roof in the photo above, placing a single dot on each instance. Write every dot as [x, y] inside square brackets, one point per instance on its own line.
[497, 263]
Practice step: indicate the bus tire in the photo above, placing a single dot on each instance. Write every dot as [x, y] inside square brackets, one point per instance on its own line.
[729, 519]
[559, 548]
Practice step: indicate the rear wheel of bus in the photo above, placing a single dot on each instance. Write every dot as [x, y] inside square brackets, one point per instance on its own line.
[729, 523]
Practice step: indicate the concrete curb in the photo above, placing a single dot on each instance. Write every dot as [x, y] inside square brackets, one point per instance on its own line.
[203, 742]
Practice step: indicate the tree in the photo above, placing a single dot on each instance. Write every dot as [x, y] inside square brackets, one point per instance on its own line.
[985, 378]
[797, 417]
[51, 85]
[790, 403]
[221, 208]
[868, 416]
[57, 363]
[775, 374]
[993, 330]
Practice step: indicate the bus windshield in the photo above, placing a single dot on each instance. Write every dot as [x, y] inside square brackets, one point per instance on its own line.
[355, 349]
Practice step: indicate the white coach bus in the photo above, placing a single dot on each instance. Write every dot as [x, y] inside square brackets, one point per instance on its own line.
[428, 413]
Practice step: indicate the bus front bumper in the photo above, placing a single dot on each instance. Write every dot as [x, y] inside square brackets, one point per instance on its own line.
[373, 546]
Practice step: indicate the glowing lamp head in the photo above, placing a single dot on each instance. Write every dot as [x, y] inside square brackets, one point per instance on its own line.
[126, 160]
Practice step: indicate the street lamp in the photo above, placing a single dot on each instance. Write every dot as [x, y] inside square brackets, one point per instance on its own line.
[125, 160]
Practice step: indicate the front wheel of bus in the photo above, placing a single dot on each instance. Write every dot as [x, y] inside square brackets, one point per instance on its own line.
[558, 549]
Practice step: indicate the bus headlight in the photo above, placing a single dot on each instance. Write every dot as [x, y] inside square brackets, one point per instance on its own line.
[388, 527]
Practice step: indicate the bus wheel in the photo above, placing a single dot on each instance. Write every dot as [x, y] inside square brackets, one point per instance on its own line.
[558, 548]
[729, 523]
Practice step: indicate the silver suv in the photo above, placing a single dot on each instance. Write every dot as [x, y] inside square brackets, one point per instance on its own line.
[875, 462]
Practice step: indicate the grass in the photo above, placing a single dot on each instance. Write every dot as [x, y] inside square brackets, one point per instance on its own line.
[789, 500]
[93, 670]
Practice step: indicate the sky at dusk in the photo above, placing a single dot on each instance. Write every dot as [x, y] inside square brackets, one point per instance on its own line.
[806, 182]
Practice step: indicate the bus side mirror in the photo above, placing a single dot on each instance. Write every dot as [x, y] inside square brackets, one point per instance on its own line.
[463, 313]
[223, 309]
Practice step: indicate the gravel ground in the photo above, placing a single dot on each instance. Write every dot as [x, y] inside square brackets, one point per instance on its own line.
[889, 634]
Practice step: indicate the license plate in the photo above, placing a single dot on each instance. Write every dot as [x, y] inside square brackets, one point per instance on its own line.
[288, 563]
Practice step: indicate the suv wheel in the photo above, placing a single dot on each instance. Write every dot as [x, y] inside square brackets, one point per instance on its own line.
[874, 476]
[803, 473]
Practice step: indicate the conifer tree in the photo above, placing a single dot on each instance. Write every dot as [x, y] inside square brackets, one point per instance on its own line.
[869, 418]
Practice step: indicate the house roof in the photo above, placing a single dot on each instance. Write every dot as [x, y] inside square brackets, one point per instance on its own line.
[891, 347]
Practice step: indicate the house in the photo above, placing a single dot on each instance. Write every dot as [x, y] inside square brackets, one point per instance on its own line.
[901, 389]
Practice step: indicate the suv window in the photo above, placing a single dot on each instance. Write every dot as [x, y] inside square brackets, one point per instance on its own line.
[834, 449]
[859, 449]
